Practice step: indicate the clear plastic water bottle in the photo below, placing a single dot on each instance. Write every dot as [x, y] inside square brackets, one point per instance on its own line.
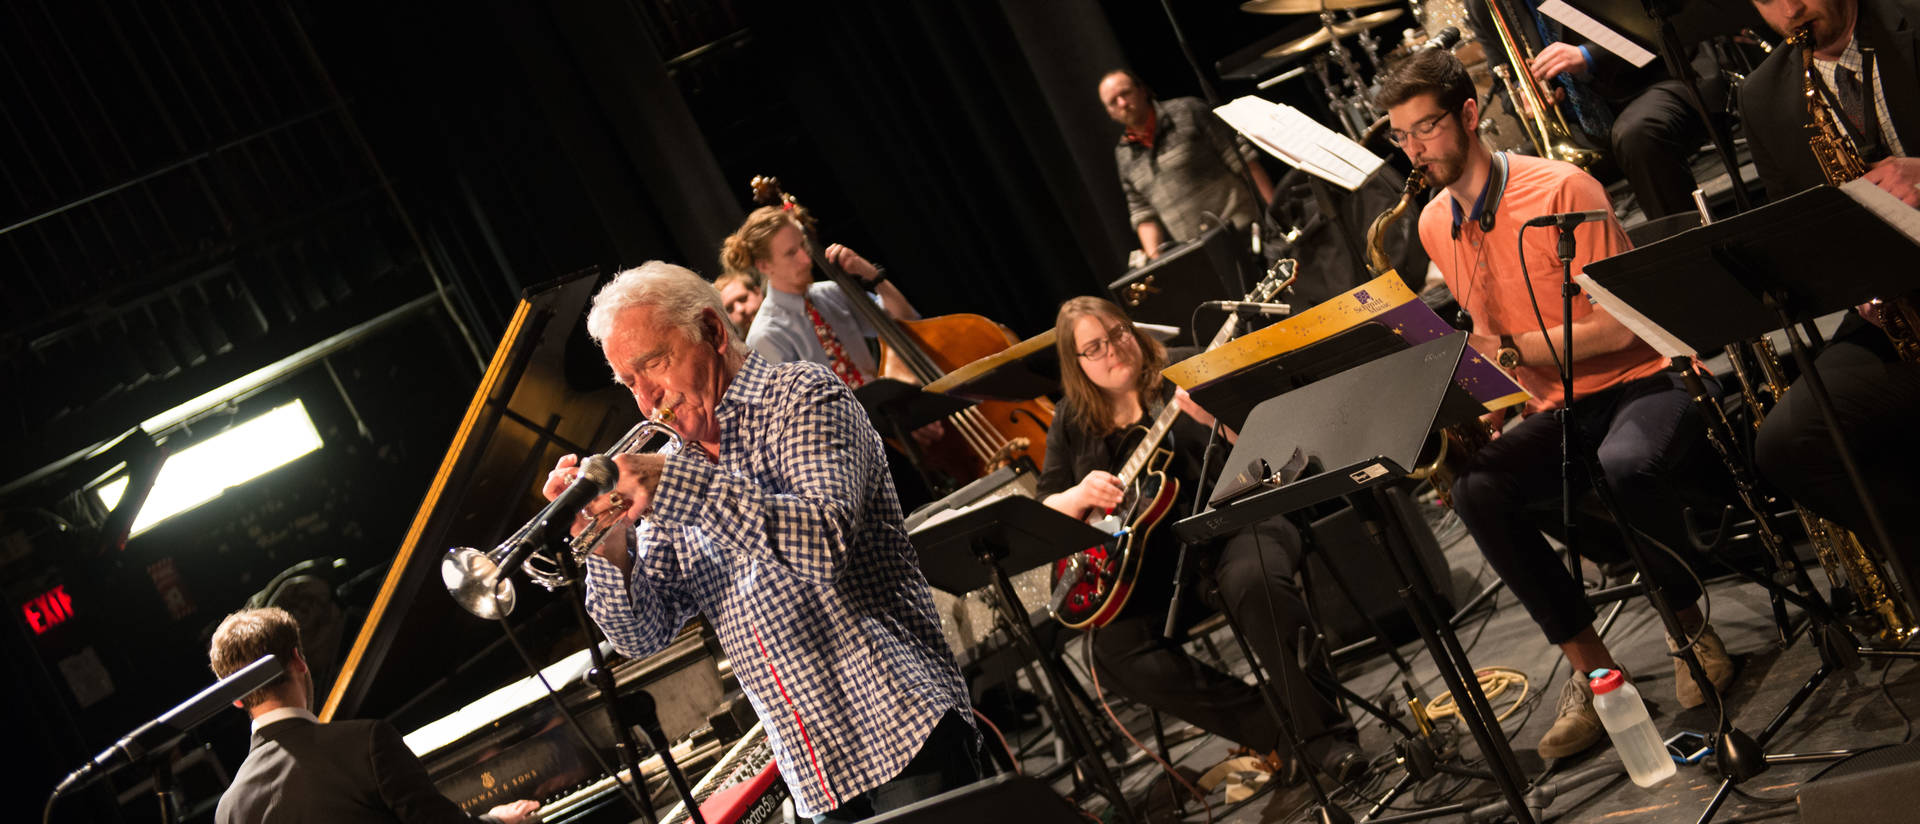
[1631, 728]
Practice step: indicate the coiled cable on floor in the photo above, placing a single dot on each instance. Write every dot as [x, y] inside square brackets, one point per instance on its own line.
[1494, 682]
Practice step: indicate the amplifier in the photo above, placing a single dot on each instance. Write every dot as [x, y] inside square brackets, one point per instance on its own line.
[1878, 785]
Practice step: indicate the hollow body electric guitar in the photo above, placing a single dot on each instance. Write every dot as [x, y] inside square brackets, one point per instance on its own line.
[1092, 585]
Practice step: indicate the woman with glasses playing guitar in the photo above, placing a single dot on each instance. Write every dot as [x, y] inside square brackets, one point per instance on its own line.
[1114, 395]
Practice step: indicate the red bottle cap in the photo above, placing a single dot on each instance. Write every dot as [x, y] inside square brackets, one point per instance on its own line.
[1608, 682]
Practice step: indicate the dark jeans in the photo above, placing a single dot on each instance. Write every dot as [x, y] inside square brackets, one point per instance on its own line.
[950, 759]
[1876, 400]
[1655, 135]
[1137, 662]
[1646, 432]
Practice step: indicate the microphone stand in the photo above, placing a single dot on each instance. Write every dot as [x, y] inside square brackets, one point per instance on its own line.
[602, 678]
[1733, 747]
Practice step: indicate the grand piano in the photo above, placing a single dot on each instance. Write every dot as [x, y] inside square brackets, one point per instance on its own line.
[486, 726]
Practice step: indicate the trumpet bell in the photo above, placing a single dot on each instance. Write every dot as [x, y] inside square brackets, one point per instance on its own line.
[473, 579]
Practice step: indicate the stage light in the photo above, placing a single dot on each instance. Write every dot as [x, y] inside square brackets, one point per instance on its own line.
[201, 472]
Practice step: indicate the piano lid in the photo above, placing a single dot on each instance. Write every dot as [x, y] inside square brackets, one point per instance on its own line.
[546, 393]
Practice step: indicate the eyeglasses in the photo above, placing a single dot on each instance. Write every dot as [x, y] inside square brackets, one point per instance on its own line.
[1422, 129]
[1101, 347]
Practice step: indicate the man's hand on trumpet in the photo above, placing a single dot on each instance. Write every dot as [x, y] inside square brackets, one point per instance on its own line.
[631, 497]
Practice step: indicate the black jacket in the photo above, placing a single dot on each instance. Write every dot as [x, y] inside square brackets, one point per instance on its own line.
[348, 772]
[1072, 453]
[1775, 112]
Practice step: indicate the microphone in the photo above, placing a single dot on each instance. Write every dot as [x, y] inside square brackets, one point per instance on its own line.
[597, 473]
[161, 734]
[478, 580]
[1446, 39]
[1249, 307]
[1568, 220]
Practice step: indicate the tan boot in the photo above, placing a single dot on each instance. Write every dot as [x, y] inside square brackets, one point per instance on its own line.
[1575, 726]
[1713, 659]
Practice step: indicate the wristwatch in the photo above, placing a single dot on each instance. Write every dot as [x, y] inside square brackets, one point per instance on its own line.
[1508, 355]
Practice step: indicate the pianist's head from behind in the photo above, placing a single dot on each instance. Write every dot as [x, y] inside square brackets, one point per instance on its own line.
[244, 637]
[664, 332]
[359, 770]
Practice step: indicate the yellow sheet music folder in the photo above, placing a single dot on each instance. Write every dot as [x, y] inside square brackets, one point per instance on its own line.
[1385, 300]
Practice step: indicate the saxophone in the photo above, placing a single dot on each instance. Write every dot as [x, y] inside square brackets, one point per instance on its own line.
[1848, 564]
[1451, 447]
[1841, 162]
[1545, 123]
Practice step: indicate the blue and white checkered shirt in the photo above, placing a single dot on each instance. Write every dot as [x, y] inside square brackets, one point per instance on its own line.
[792, 547]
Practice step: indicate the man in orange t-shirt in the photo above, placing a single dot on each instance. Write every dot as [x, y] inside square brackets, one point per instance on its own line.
[1625, 407]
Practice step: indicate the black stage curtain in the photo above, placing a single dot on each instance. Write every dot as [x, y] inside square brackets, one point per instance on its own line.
[967, 140]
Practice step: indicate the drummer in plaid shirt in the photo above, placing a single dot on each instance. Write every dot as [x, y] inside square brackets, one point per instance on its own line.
[778, 521]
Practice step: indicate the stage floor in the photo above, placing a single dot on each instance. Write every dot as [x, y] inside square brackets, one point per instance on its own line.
[1850, 710]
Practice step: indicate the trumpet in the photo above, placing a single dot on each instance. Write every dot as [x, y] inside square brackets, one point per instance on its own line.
[480, 581]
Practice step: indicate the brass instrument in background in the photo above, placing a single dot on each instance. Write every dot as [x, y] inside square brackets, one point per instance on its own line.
[480, 581]
[1451, 447]
[1545, 123]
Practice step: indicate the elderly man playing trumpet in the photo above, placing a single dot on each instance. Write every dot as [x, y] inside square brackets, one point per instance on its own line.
[777, 520]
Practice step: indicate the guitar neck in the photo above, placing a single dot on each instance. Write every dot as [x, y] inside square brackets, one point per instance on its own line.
[1164, 421]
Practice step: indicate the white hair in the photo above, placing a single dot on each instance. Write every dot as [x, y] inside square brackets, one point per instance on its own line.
[675, 292]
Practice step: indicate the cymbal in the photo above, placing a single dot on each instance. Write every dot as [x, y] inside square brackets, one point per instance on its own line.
[1307, 6]
[1328, 34]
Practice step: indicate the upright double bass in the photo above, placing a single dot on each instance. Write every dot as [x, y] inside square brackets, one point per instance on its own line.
[978, 439]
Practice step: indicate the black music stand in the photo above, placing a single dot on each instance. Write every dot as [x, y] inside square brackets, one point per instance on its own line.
[1761, 282]
[1361, 429]
[899, 408]
[973, 548]
[1759, 274]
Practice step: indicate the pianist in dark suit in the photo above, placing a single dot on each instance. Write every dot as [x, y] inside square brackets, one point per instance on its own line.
[777, 520]
[300, 770]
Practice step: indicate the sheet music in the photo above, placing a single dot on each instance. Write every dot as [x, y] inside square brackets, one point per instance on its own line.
[1385, 300]
[1660, 339]
[1288, 134]
[1597, 33]
[1891, 210]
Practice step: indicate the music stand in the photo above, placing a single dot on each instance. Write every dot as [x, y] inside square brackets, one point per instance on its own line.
[1364, 426]
[1027, 369]
[899, 408]
[1759, 283]
[973, 548]
[1759, 274]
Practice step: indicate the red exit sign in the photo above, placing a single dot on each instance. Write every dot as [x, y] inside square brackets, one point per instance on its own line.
[48, 609]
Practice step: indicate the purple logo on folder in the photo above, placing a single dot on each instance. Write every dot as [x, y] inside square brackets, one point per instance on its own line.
[1362, 296]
